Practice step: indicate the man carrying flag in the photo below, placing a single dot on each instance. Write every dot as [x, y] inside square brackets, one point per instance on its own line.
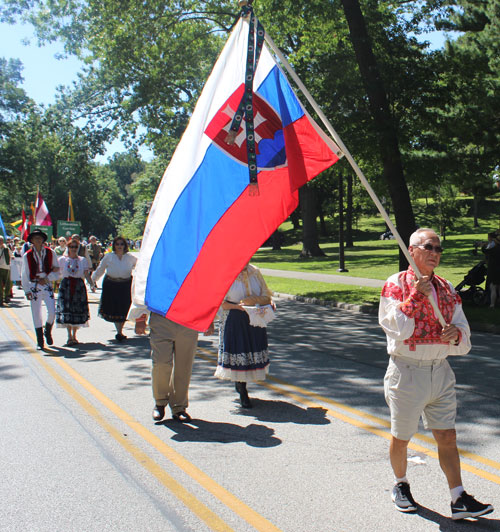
[233, 179]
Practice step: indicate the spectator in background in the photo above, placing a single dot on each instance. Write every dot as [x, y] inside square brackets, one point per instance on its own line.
[95, 253]
[16, 264]
[5, 259]
[61, 248]
[492, 252]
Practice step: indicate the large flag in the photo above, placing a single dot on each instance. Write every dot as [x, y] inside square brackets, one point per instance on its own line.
[42, 216]
[204, 224]
[71, 212]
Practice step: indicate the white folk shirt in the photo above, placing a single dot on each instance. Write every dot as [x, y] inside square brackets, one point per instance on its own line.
[73, 267]
[115, 267]
[248, 283]
[409, 322]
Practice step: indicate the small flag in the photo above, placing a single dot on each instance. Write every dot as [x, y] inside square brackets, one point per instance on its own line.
[71, 212]
[206, 221]
[25, 230]
[42, 216]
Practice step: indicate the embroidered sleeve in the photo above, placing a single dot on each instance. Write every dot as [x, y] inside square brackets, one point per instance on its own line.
[393, 291]
[413, 303]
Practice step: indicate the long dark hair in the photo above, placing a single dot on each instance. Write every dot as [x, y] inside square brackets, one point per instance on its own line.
[115, 240]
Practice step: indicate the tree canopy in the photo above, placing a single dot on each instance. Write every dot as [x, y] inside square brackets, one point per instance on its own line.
[145, 63]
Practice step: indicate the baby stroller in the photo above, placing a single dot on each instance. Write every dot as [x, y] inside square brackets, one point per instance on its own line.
[473, 279]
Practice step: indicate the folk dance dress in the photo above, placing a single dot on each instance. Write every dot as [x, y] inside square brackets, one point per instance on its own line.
[243, 350]
[72, 308]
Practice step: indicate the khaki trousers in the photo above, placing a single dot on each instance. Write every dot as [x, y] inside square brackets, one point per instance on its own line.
[173, 347]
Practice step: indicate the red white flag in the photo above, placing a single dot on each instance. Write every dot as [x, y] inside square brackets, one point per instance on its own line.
[42, 216]
[25, 229]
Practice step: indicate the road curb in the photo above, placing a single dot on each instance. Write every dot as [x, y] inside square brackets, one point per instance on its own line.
[373, 310]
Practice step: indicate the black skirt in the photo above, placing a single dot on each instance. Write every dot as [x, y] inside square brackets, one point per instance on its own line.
[243, 350]
[116, 299]
[72, 305]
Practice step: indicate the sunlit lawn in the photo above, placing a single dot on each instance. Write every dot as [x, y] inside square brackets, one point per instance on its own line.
[375, 259]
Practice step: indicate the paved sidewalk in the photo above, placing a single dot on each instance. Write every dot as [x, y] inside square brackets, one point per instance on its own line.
[323, 277]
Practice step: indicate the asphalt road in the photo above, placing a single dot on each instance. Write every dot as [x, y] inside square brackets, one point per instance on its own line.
[79, 451]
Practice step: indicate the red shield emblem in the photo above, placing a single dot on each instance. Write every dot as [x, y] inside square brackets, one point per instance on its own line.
[267, 127]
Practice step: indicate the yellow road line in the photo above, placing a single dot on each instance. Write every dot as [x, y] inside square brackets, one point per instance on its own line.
[191, 502]
[370, 428]
[259, 522]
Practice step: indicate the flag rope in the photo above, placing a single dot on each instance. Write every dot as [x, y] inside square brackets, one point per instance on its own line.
[245, 107]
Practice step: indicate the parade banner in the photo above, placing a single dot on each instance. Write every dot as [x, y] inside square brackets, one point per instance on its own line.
[66, 229]
[47, 229]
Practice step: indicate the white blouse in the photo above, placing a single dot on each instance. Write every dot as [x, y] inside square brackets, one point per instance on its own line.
[248, 283]
[115, 267]
[73, 267]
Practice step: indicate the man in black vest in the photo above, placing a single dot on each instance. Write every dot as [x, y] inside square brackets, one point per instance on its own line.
[40, 268]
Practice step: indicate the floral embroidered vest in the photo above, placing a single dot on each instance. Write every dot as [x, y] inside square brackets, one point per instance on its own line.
[417, 306]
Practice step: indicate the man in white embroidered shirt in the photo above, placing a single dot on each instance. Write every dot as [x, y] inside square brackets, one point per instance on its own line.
[419, 381]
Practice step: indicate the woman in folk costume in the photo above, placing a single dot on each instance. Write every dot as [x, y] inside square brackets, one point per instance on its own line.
[116, 295]
[72, 304]
[40, 268]
[243, 353]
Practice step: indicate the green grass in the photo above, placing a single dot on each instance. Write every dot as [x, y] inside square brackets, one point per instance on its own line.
[376, 259]
[329, 292]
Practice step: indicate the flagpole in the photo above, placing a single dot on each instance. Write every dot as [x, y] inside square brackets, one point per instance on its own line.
[354, 166]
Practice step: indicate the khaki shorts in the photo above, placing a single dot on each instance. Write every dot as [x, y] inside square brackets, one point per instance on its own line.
[416, 388]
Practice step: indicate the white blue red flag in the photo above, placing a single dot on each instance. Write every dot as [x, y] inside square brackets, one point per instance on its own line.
[204, 225]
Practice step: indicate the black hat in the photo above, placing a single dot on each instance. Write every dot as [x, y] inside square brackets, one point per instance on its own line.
[37, 232]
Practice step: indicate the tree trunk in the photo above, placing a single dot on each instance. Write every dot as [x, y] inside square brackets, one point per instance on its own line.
[379, 106]
[348, 215]
[310, 245]
[295, 218]
[276, 240]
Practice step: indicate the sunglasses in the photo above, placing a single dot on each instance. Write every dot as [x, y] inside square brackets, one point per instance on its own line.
[72, 247]
[119, 244]
[430, 247]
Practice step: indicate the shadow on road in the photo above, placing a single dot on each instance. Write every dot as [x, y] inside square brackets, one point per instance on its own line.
[200, 431]
[283, 412]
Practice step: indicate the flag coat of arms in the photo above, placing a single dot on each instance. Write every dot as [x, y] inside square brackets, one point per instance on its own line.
[204, 225]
